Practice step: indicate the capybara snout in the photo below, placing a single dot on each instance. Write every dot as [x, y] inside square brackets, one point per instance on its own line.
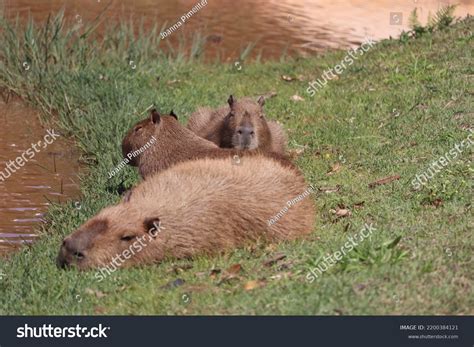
[74, 249]
[244, 136]
[71, 252]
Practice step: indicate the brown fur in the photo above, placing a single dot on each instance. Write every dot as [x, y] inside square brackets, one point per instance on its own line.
[188, 201]
[175, 144]
[222, 125]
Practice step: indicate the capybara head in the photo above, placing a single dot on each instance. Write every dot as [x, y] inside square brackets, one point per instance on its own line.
[245, 126]
[142, 135]
[109, 238]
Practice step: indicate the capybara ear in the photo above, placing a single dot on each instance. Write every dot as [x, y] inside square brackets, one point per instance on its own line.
[261, 101]
[127, 195]
[173, 115]
[155, 117]
[152, 225]
[231, 101]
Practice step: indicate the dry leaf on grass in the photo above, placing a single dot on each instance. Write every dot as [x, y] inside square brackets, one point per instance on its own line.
[251, 285]
[328, 190]
[296, 97]
[97, 293]
[100, 310]
[437, 202]
[281, 276]
[384, 181]
[273, 260]
[231, 273]
[234, 269]
[341, 212]
[214, 273]
[296, 152]
[334, 169]
[177, 269]
[287, 78]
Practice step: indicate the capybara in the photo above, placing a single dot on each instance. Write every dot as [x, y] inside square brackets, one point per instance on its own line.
[242, 125]
[172, 144]
[183, 206]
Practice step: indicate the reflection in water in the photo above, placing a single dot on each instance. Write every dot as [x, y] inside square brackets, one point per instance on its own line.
[49, 176]
[275, 25]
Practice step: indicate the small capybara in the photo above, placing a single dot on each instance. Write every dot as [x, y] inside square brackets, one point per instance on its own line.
[172, 144]
[178, 213]
[241, 124]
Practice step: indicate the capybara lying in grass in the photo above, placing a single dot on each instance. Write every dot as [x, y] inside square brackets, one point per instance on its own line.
[197, 207]
[241, 124]
[172, 144]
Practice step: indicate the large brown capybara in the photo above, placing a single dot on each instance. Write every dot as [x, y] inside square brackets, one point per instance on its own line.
[263, 199]
[241, 125]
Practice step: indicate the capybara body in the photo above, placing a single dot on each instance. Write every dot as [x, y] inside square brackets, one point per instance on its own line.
[241, 125]
[184, 207]
[173, 143]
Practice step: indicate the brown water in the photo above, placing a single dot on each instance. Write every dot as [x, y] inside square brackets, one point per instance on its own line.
[27, 191]
[299, 25]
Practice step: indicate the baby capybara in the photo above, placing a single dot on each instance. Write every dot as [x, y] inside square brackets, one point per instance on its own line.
[172, 144]
[242, 125]
[184, 205]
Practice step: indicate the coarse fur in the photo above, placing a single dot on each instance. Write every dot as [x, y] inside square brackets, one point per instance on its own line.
[224, 125]
[174, 144]
[185, 204]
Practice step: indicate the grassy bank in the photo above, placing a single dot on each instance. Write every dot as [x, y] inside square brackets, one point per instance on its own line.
[398, 108]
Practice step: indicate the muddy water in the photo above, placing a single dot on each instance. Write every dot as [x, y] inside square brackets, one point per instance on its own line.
[299, 26]
[49, 175]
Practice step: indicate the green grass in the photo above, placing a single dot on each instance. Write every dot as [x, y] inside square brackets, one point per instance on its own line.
[88, 90]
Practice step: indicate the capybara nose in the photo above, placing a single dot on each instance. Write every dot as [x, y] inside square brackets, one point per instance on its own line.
[246, 131]
[70, 253]
[246, 135]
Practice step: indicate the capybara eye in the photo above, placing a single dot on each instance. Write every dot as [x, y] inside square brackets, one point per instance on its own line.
[137, 128]
[239, 132]
[127, 237]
